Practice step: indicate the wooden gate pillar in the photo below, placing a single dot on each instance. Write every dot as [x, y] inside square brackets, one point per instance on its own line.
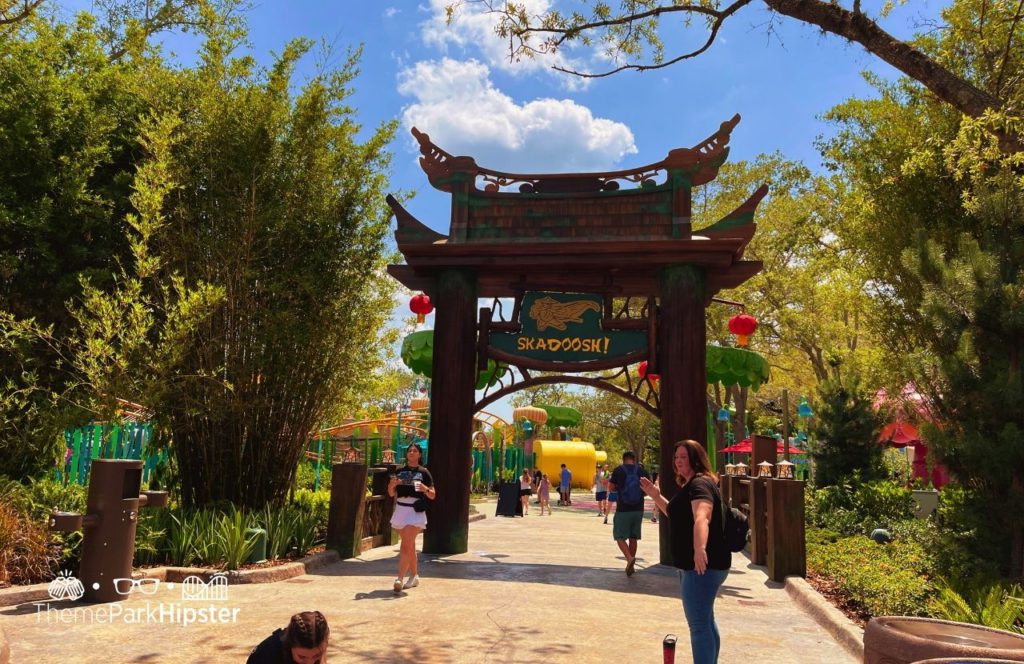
[682, 339]
[451, 412]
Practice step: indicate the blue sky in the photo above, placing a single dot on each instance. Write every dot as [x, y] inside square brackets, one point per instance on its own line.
[456, 83]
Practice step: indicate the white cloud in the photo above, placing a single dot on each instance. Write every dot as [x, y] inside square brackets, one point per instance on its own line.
[458, 106]
[472, 30]
[391, 11]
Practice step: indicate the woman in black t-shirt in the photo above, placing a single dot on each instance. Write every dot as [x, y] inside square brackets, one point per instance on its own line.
[697, 542]
[412, 485]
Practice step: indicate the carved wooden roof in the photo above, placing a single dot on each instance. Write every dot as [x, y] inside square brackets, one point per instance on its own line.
[610, 231]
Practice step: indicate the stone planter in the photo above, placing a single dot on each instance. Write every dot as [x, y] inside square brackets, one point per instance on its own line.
[904, 640]
[926, 502]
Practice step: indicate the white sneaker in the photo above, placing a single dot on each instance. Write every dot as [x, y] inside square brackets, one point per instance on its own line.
[397, 585]
[413, 581]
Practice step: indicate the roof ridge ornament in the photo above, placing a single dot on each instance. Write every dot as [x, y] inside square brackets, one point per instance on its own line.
[451, 173]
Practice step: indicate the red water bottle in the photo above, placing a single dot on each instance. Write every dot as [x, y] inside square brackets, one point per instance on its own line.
[668, 648]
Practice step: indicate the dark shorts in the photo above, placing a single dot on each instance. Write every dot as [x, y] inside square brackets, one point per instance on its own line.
[626, 525]
[601, 495]
[525, 492]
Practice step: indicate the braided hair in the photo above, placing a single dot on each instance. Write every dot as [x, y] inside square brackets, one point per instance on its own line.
[306, 630]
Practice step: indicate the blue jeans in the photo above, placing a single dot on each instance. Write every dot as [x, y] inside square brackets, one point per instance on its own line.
[698, 592]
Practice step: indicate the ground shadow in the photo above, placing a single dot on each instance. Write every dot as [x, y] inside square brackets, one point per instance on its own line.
[380, 594]
[25, 609]
[650, 580]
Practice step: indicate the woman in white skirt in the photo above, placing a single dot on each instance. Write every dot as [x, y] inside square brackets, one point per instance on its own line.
[411, 485]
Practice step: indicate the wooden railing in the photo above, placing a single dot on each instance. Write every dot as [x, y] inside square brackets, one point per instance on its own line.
[376, 530]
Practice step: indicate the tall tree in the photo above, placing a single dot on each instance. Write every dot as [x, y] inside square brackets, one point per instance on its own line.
[934, 213]
[973, 319]
[845, 433]
[282, 205]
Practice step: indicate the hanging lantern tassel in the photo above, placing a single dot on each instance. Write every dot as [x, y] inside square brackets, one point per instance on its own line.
[641, 371]
[421, 306]
[742, 325]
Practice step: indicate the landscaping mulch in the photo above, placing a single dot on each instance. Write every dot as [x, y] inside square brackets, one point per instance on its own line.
[830, 590]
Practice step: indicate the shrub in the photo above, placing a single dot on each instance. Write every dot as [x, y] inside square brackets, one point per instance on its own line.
[305, 476]
[968, 543]
[24, 554]
[880, 577]
[317, 505]
[235, 544]
[858, 508]
[280, 526]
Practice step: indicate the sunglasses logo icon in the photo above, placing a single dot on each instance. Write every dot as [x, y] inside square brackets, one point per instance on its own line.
[126, 587]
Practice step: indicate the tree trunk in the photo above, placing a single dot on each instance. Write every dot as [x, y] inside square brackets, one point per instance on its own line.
[857, 27]
[1016, 529]
[739, 422]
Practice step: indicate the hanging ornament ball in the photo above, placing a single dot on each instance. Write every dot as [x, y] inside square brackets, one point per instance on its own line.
[642, 372]
[742, 325]
[421, 306]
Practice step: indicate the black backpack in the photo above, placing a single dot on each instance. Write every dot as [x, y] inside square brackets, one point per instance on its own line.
[734, 527]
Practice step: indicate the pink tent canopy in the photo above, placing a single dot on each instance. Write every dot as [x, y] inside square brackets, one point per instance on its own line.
[903, 434]
[746, 446]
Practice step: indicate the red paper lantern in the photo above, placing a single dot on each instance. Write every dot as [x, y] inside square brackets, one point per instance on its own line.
[642, 372]
[421, 306]
[742, 325]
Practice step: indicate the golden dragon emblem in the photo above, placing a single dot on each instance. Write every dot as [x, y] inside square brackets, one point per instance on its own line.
[549, 312]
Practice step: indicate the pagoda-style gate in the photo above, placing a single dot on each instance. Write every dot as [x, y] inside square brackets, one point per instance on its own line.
[604, 270]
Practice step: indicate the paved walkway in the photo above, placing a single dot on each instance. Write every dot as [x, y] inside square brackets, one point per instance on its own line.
[535, 589]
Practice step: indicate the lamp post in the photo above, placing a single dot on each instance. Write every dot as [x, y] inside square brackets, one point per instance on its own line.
[804, 412]
[527, 435]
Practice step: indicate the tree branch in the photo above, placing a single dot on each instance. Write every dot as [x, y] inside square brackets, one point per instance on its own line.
[571, 32]
[27, 7]
[715, 27]
[1006, 51]
[858, 28]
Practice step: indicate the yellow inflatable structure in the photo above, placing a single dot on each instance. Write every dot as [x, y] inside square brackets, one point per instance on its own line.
[578, 456]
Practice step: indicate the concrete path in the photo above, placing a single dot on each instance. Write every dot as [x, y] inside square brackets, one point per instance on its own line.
[534, 589]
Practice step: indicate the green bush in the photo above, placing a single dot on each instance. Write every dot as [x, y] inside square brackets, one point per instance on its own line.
[879, 577]
[236, 545]
[859, 507]
[317, 504]
[305, 476]
[969, 548]
[279, 524]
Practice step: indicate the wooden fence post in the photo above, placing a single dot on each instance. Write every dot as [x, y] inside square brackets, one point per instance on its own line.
[787, 545]
[345, 516]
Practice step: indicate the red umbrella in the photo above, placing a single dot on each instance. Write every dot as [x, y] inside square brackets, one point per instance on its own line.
[792, 450]
[745, 446]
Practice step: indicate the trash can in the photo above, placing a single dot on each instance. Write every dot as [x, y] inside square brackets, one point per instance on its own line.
[259, 551]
